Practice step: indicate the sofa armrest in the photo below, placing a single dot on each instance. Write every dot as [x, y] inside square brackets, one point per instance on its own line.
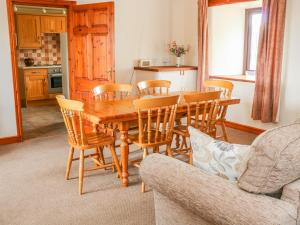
[213, 198]
[291, 193]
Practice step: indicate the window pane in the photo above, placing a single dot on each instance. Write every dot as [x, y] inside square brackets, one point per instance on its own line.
[255, 30]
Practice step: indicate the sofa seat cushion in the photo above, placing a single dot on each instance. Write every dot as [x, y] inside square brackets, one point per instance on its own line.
[274, 161]
[216, 157]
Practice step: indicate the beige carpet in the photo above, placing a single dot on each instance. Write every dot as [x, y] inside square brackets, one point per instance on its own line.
[33, 190]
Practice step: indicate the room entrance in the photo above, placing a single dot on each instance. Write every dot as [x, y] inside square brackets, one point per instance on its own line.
[60, 48]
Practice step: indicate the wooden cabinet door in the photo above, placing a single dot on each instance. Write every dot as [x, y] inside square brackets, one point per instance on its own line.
[36, 87]
[29, 34]
[92, 47]
[53, 24]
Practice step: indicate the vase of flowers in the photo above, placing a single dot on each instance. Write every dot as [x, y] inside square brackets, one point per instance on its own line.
[178, 51]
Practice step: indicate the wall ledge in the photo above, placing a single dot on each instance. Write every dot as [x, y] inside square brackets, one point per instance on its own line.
[240, 78]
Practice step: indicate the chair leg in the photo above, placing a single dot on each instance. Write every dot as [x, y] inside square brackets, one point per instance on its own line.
[116, 160]
[183, 144]
[224, 131]
[81, 171]
[169, 150]
[191, 157]
[156, 149]
[69, 163]
[144, 156]
[101, 155]
[177, 141]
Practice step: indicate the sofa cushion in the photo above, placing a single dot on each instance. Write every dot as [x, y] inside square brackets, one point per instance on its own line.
[218, 157]
[274, 161]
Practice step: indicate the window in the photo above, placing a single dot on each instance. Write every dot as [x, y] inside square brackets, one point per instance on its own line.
[253, 22]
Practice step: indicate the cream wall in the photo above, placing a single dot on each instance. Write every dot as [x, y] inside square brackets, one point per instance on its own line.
[7, 105]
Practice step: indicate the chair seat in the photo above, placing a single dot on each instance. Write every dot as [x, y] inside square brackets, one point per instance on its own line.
[155, 141]
[95, 140]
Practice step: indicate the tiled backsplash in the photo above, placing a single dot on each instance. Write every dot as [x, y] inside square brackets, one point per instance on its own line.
[49, 54]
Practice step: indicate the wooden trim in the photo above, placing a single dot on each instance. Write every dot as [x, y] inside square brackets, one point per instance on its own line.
[226, 2]
[10, 140]
[245, 128]
[17, 98]
[247, 39]
[240, 78]
[166, 68]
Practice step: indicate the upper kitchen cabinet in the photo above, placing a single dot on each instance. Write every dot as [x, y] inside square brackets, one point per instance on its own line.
[53, 24]
[29, 32]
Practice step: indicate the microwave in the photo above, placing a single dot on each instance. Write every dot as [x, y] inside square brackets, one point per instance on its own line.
[145, 63]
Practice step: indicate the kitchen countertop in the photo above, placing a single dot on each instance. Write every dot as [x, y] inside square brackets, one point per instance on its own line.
[166, 68]
[39, 67]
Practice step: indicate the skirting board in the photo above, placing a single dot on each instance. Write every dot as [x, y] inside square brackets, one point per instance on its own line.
[10, 140]
[243, 127]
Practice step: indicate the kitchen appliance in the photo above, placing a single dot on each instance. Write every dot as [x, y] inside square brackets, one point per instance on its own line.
[55, 79]
[145, 63]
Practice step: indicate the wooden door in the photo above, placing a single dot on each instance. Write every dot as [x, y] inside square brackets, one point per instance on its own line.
[29, 34]
[53, 24]
[92, 47]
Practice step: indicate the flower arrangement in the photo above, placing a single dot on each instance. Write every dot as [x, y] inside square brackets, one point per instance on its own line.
[177, 50]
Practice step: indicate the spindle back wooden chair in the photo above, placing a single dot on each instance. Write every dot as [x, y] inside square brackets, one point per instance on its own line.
[112, 91]
[156, 117]
[202, 111]
[154, 87]
[75, 118]
[226, 88]
[105, 92]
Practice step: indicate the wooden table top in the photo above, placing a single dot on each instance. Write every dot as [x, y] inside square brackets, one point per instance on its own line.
[123, 110]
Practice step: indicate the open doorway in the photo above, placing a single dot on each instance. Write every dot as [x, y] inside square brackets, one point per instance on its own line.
[85, 33]
[42, 60]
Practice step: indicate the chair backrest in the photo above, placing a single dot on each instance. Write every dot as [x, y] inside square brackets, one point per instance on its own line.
[149, 87]
[156, 116]
[72, 112]
[112, 91]
[203, 107]
[224, 86]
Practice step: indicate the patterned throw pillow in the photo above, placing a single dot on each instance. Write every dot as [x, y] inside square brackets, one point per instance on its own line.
[218, 157]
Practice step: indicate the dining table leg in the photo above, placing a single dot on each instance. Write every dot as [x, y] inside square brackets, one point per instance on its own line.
[123, 127]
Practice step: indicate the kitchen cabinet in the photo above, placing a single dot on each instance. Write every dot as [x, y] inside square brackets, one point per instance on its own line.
[36, 84]
[29, 33]
[53, 24]
[181, 79]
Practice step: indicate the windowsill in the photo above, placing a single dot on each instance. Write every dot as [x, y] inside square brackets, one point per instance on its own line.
[240, 78]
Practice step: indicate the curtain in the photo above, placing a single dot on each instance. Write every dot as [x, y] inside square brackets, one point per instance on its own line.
[202, 42]
[269, 62]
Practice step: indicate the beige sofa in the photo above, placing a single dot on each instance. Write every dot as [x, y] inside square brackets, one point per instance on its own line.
[184, 195]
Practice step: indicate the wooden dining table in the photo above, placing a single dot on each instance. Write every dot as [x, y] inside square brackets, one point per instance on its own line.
[123, 114]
